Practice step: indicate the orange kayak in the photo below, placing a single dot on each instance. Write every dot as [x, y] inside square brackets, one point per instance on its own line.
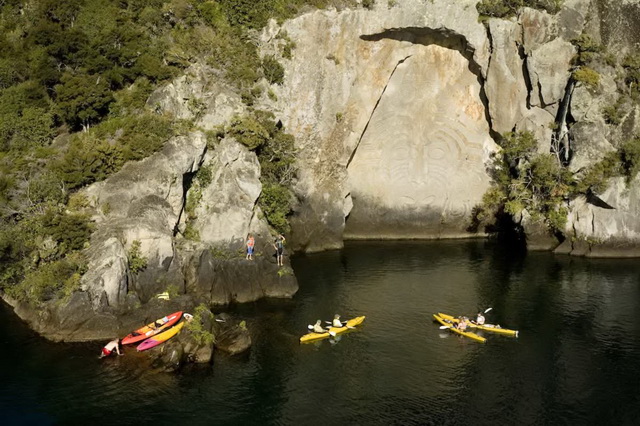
[152, 329]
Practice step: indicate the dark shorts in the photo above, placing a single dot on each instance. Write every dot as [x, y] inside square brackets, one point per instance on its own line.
[249, 249]
[280, 251]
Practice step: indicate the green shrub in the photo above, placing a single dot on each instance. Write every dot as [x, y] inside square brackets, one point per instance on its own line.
[524, 179]
[71, 232]
[587, 48]
[196, 326]
[272, 70]
[137, 262]
[631, 66]
[630, 156]
[205, 175]
[248, 131]
[613, 114]
[275, 201]
[191, 233]
[368, 4]
[88, 160]
[588, 76]
[54, 280]
[507, 8]
[596, 176]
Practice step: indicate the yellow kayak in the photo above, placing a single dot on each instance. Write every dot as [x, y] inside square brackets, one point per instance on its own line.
[468, 334]
[310, 337]
[160, 338]
[486, 327]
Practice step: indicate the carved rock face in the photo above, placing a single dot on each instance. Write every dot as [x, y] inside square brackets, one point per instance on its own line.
[420, 166]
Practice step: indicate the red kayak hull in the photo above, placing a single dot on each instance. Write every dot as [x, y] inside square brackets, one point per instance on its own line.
[149, 330]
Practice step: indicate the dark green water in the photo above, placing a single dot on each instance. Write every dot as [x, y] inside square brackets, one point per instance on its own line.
[577, 360]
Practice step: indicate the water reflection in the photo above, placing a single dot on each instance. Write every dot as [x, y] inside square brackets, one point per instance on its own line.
[577, 360]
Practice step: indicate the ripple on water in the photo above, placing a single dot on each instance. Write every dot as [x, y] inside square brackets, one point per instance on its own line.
[577, 360]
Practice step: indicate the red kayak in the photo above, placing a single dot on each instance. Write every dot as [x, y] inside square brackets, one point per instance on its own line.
[152, 329]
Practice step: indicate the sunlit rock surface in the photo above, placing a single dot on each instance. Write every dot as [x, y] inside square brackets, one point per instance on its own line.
[420, 166]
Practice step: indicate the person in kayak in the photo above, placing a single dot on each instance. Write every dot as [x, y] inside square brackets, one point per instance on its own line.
[462, 323]
[110, 347]
[279, 246]
[336, 321]
[317, 327]
[480, 319]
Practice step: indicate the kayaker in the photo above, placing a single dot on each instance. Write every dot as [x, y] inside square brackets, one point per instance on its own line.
[336, 321]
[110, 347]
[462, 324]
[317, 327]
[480, 319]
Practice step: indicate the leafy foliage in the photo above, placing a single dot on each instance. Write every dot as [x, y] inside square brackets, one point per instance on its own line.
[588, 76]
[137, 262]
[507, 8]
[276, 154]
[202, 317]
[57, 279]
[273, 71]
[631, 66]
[524, 179]
[90, 66]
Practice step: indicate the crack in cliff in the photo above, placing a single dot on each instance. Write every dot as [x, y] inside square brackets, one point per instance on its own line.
[187, 180]
[525, 73]
[384, 89]
[560, 140]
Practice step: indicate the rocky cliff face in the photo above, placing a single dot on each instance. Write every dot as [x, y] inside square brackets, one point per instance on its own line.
[151, 203]
[394, 110]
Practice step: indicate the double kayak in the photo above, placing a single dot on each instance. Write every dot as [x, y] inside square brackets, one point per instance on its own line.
[152, 329]
[451, 326]
[160, 338]
[485, 327]
[310, 337]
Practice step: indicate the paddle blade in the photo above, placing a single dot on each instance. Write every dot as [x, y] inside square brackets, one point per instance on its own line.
[444, 327]
[487, 310]
[310, 327]
[332, 333]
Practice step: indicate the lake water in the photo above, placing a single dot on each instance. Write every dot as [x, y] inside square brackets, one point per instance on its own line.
[577, 360]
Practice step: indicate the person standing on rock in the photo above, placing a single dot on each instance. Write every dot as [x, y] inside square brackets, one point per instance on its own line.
[251, 242]
[279, 246]
[110, 347]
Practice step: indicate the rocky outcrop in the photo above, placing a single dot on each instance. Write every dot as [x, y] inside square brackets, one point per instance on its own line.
[218, 279]
[227, 204]
[611, 230]
[394, 111]
[149, 203]
[506, 87]
[345, 96]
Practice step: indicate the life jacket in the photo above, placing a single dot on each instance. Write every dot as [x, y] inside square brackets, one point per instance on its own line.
[251, 242]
